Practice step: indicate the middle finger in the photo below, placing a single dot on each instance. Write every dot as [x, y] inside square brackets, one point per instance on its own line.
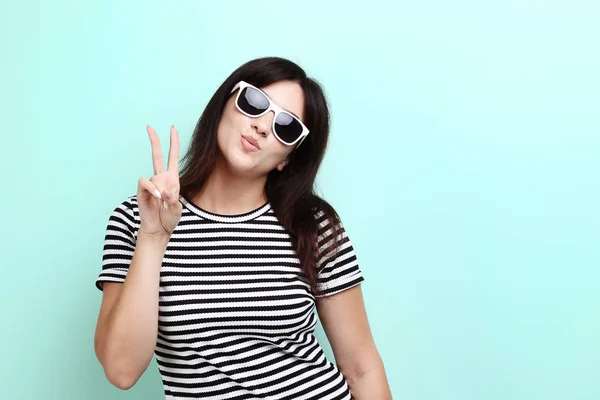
[157, 158]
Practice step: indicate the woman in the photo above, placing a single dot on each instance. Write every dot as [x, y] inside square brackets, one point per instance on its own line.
[217, 270]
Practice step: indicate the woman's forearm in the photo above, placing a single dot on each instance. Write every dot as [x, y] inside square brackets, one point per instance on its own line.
[132, 327]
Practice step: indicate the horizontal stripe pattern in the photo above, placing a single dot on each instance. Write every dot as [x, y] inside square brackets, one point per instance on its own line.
[236, 314]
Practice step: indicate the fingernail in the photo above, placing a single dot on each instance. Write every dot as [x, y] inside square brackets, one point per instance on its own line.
[157, 193]
[167, 194]
[165, 204]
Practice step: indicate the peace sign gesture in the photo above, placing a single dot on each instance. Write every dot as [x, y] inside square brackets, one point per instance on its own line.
[158, 197]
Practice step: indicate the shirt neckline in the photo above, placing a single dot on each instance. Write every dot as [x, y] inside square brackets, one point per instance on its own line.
[223, 218]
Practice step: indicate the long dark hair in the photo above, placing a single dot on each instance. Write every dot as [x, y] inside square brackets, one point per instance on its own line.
[291, 191]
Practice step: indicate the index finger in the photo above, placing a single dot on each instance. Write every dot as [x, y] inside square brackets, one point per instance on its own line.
[157, 158]
[173, 165]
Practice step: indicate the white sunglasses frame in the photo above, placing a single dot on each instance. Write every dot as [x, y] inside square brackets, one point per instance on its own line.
[241, 85]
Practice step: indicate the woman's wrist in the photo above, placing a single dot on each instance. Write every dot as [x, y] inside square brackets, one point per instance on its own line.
[156, 238]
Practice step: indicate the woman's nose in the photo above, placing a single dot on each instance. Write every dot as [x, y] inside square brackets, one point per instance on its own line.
[263, 124]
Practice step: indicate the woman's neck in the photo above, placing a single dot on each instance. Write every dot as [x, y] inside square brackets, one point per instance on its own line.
[226, 193]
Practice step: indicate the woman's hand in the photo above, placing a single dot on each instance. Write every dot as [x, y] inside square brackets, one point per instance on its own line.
[158, 197]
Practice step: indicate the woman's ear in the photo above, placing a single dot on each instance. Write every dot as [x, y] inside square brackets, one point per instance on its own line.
[282, 165]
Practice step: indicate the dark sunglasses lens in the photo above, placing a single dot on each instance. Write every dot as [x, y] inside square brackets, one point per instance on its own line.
[287, 127]
[252, 101]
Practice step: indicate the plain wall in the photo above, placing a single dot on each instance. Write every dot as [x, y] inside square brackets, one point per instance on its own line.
[464, 162]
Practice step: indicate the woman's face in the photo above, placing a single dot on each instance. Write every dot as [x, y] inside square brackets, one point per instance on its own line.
[242, 157]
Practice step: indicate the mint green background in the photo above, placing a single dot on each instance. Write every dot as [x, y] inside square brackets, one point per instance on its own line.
[464, 161]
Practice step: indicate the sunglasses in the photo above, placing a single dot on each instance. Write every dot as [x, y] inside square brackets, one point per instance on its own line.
[253, 102]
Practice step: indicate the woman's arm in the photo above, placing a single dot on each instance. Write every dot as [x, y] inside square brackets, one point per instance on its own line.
[127, 326]
[345, 323]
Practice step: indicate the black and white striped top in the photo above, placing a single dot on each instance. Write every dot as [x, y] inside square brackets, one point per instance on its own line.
[236, 320]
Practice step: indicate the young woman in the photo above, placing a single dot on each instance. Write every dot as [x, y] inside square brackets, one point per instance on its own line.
[217, 269]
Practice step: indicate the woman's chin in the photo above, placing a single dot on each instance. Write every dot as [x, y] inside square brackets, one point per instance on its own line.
[242, 163]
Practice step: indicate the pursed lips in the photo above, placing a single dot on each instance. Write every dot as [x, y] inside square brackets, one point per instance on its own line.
[252, 141]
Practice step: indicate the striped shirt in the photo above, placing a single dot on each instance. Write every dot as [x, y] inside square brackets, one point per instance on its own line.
[236, 316]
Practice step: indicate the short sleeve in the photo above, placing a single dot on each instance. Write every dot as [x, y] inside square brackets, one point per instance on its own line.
[119, 242]
[338, 268]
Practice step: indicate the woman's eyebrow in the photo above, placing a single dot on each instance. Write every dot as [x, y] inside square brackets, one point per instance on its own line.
[291, 112]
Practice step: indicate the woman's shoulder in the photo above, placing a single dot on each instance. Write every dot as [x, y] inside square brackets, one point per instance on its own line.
[127, 211]
[323, 211]
[328, 220]
[129, 203]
